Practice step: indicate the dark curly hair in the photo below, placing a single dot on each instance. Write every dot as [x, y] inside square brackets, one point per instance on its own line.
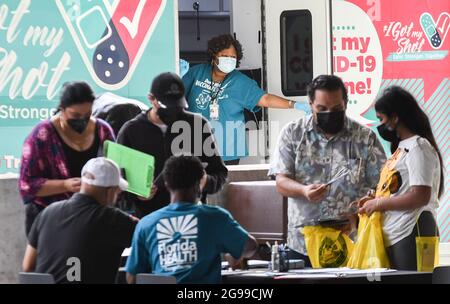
[329, 83]
[219, 43]
[182, 172]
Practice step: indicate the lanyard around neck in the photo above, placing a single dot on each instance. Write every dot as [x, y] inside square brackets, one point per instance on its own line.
[214, 94]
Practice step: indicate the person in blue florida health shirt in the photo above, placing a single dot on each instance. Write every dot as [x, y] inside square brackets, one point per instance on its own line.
[185, 239]
[221, 93]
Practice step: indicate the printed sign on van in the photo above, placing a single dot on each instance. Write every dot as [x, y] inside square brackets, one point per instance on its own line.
[114, 45]
[404, 43]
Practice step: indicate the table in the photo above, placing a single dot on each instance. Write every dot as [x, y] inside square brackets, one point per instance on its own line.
[257, 276]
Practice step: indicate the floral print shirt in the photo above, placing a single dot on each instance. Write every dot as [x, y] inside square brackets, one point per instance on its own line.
[304, 154]
[43, 159]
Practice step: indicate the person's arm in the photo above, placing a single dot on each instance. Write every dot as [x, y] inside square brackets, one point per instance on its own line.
[250, 249]
[421, 170]
[31, 174]
[34, 162]
[416, 197]
[274, 101]
[59, 186]
[29, 260]
[234, 240]
[291, 188]
[138, 261]
[283, 168]
[288, 187]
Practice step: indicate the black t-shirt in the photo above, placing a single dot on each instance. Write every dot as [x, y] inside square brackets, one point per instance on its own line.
[81, 228]
[142, 135]
[77, 159]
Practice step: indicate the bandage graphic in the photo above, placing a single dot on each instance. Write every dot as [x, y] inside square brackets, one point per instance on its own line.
[111, 38]
[430, 30]
[435, 31]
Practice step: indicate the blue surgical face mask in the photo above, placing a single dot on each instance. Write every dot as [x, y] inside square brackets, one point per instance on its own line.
[226, 64]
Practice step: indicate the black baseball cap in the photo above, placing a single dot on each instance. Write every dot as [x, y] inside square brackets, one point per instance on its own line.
[168, 89]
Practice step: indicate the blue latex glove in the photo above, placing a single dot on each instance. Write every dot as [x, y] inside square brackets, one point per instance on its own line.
[184, 67]
[303, 106]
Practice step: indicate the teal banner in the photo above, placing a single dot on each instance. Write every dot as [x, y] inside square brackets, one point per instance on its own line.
[115, 45]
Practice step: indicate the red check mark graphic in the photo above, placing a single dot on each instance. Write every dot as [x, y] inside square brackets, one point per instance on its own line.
[132, 26]
[134, 19]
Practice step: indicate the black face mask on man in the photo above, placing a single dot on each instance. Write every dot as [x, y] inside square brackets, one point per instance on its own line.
[169, 116]
[78, 125]
[387, 133]
[331, 122]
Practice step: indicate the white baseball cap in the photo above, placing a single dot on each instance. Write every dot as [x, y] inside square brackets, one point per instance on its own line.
[105, 173]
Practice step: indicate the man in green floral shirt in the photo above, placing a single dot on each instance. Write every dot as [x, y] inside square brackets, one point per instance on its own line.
[312, 150]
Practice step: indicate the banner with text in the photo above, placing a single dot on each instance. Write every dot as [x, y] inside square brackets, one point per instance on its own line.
[114, 45]
[379, 43]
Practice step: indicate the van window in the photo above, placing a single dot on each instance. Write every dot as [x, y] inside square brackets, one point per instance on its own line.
[296, 52]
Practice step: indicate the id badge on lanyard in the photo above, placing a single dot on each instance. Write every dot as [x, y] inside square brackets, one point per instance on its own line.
[214, 106]
[214, 110]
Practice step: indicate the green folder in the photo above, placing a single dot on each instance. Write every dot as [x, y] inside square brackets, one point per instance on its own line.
[137, 167]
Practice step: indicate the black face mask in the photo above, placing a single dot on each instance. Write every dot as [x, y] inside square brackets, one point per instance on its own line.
[78, 125]
[169, 116]
[387, 133]
[331, 122]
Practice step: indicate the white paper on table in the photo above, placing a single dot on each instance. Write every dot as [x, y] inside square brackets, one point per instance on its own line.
[250, 263]
[342, 270]
[330, 273]
[308, 276]
[258, 274]
[368, 271]
[318, 270]
[235, 272]
[257, 263]
[126, 252]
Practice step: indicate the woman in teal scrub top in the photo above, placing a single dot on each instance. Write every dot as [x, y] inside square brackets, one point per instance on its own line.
[221, 93]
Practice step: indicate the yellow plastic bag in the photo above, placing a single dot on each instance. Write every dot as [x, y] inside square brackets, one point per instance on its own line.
[369, 250]
[327, 247]
[427, 249]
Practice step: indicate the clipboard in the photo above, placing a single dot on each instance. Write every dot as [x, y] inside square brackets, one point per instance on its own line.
[137, 167]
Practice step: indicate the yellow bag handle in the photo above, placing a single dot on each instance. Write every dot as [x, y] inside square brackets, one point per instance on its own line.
[418, 230]
[426, 262]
